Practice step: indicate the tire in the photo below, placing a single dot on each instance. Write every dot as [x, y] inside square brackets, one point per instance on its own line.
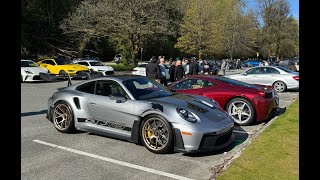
[241, 111]
[279, 86]
[149, 137]
[62, 112]
[62, 73]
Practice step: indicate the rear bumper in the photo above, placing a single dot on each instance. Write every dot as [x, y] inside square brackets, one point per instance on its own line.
[267, 108]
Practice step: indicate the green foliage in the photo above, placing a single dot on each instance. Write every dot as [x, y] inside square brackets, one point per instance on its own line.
[274, 154]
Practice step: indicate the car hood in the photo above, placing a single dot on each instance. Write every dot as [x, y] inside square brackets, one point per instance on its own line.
[102, 68]
[34, 70]
[202, 107]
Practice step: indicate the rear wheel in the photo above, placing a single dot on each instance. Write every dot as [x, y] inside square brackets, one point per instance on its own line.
[62, 117]
[241, 110]
[156, 134]
[279, 86]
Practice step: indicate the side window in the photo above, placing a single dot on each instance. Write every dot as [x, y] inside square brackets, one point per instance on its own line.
[181, 85]
[192, 84]
[49, 62]
[83, 63]
[253, 71]
[107, 88]
[272, 71]
[87, 87]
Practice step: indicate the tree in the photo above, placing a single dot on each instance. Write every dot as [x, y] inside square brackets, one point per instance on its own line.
[279, 31]
[195, 28]
[125, 22]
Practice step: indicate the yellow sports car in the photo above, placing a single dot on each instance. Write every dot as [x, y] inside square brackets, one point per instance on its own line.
[62, 66]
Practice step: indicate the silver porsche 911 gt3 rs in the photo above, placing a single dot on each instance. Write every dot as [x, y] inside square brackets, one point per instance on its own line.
[141, 110]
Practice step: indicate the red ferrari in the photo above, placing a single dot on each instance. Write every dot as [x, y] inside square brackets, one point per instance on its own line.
[244, 102]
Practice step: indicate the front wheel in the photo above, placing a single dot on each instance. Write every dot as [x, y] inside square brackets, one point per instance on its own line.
[62, 117]
[156, 134]
[241, 110]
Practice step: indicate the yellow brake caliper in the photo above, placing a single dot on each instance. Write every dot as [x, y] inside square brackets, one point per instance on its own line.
[149, 133]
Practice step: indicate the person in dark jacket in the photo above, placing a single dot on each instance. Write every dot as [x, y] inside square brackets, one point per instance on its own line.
[153, 70]
[178, 71]
[193, 67]
[171, 70]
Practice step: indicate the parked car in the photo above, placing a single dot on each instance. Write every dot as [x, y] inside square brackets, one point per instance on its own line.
[138, 109]
[251, 63]
[30, 71]
[141, 70]
[279, 77]
[290, 64]
[95, 65]
[245, 103]
[62, 67]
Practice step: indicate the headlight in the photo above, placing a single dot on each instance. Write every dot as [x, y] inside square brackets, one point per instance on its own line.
[187, 115]
[28, 72]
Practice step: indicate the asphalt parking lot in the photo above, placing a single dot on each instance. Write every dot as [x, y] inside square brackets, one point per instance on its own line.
[49, 154]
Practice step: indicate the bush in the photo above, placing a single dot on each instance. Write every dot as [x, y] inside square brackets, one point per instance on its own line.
[122, 67]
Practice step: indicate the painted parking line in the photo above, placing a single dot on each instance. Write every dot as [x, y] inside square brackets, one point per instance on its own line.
[114, 161]
[243, 132]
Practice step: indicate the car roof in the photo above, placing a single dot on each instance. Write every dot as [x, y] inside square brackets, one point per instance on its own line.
[86, 60]
[120, 77]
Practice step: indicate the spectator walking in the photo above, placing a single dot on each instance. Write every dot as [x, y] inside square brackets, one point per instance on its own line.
[193, 67]
[171, 69]
[153, 70]
[178, 71]
[163, 79]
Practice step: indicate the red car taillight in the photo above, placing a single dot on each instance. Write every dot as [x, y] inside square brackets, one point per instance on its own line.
[296, 78]
[262, 93]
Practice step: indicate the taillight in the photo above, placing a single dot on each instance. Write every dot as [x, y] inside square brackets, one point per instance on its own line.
[296, 78]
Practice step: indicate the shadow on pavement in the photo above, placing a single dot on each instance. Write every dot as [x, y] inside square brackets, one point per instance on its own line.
[34, 113]
[240, 136]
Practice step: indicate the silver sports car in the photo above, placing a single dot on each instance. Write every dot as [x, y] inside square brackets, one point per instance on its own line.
[140, 110]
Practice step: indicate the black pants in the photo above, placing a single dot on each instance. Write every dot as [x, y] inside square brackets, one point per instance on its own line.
[163, 81]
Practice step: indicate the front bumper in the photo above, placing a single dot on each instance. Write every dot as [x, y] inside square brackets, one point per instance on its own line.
[202, 141]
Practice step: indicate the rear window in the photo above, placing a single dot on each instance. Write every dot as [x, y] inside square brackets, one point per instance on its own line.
[236, 83]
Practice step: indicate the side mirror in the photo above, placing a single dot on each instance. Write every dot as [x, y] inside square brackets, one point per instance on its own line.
[119, 99]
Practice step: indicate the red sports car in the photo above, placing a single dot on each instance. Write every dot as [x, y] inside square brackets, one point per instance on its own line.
[244, 102]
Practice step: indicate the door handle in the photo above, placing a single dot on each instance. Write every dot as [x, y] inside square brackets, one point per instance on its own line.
[93, 104]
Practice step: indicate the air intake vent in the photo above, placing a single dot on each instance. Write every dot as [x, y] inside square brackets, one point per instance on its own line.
[76, 102]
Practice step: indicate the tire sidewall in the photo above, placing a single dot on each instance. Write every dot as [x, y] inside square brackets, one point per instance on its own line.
[169, 146]
[285, 86]
[253, 111]
[71, 127]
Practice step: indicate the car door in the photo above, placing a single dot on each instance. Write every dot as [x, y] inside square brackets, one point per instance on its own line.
[189, 86]
[106, 110]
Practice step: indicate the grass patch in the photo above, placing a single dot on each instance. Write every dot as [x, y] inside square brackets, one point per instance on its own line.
[274, 154]
[122, 67]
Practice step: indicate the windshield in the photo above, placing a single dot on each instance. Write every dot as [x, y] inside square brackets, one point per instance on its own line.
[235, 82]
[286, 69]
[29, 64]
[144, 88]
[96, 63]
[63, 61]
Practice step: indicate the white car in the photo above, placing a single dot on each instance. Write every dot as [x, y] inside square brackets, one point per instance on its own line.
[141, 70]
[30, 71]
[96, 66]
[279, 77]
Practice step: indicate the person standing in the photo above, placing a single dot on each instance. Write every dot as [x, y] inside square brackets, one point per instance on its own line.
[163, 79]
[193, 67]
[223, 67]
[153, 70]
[178, 71]
[171, 69]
